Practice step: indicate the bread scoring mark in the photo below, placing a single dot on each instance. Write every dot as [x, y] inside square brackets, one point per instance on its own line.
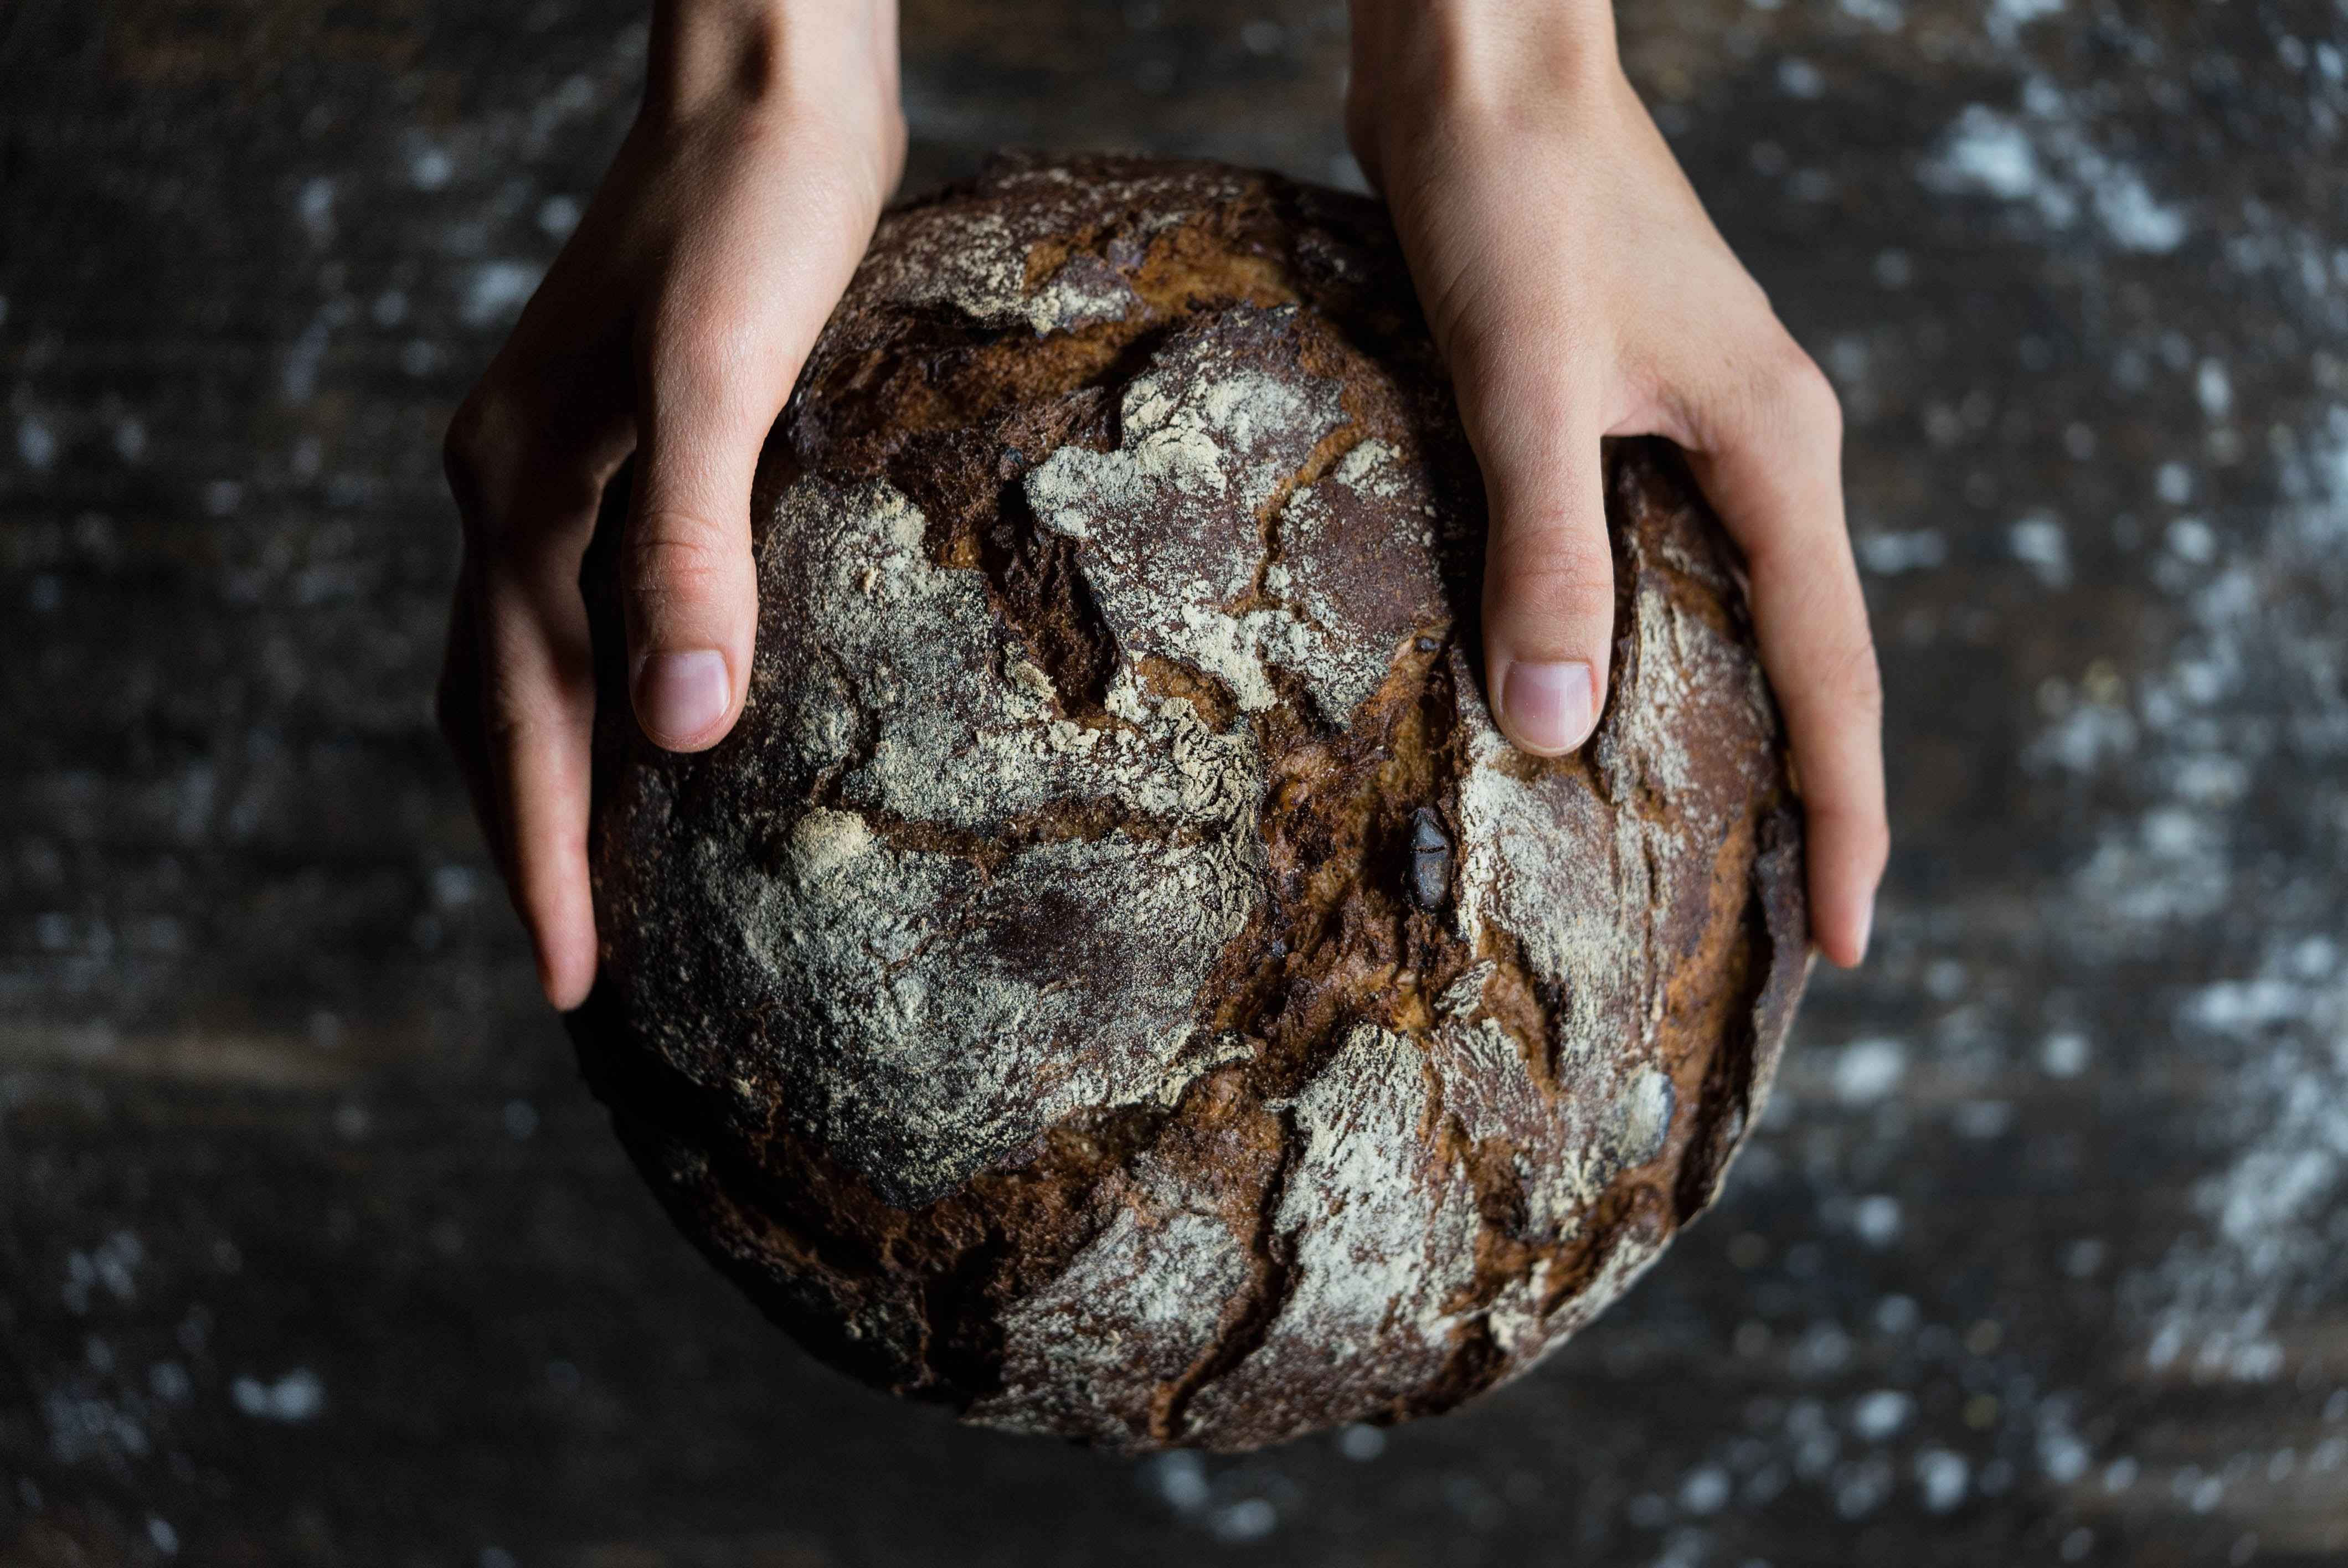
[1379, 1236]
[1544, 862]
[1499, 1097]
[961, 1005]
[981, 259]
[1174, 524]
[926, 718]
[1209, 433]
[1358, 582]
[1382, 1231]
[1373, 1255]
[1141, 1303]
[977, 265]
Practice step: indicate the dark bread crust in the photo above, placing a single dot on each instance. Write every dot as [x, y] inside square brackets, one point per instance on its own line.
[1114, 980]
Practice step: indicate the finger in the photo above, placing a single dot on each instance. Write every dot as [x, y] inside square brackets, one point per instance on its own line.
[689, 587]
[718, 361]
[1549, 568]
[528, 477]
[1771, 464]
[538, 704]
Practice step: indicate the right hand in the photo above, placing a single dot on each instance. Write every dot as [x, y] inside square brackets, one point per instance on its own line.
[672, 325]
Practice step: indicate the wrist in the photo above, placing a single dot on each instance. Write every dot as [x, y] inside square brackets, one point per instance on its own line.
[1417, 64]
[770, 58]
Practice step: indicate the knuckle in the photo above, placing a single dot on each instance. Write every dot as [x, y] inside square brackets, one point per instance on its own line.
[519, 488]
[1802, 395]
[1844, 686]
[480, 435]
[511, 720]
[1858, 680]
[673, 556]
[464, 450]
[1780, 397]
[1553, 570]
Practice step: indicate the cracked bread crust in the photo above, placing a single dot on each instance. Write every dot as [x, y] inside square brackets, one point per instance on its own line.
[1116, 980]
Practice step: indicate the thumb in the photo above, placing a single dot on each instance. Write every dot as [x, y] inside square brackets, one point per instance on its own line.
[1549, 568]
[712, 389]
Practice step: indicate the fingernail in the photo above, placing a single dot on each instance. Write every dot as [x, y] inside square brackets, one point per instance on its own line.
[1865, 931]
[679, 695]
[1548, 706]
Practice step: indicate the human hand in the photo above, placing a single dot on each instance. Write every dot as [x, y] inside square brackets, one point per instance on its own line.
[673, 324]
[1577, 291]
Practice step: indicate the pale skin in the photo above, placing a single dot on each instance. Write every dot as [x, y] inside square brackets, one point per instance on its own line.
[1571, 276]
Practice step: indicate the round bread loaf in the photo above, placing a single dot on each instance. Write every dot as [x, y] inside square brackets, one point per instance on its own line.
[1115, 979]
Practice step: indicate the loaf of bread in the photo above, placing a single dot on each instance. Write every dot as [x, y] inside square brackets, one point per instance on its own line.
[1115, 979]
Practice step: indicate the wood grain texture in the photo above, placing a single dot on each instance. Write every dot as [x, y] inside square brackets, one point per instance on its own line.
[313, 1249]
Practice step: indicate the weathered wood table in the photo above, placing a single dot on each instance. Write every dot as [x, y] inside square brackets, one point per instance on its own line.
[314, 1250]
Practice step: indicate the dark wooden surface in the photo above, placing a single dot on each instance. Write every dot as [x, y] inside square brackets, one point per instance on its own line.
[313, 1249]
